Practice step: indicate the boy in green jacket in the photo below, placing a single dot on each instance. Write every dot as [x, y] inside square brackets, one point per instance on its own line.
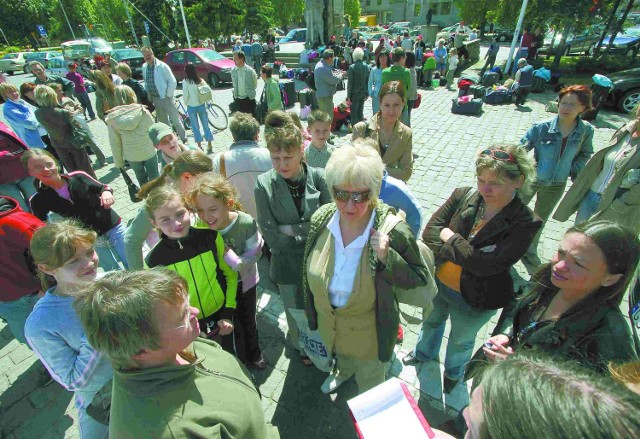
[167, 381]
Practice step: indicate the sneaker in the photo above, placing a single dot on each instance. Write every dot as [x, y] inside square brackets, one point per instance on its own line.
[261, 364]
[400, 337]
[331, 384]
[410, 359]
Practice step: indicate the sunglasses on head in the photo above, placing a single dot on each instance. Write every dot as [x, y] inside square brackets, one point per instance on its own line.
[357, 197]
[497, 154]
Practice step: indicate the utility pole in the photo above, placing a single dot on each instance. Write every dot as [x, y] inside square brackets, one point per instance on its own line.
[67, 18]
[516, 35]
[184, 21]
[133, 29]
[5, 37]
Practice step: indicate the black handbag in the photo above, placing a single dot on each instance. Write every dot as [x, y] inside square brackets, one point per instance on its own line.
[100, 406]
[131, 186]
[261, 109]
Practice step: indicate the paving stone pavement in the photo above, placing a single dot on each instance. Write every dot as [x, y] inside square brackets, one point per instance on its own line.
[444, 146]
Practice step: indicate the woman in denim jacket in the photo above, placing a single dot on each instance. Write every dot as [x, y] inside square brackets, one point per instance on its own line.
[562, 146]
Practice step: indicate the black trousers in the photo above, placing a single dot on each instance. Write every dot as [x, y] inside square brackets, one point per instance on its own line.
[247, 340]
[246, 105]
[209, 326]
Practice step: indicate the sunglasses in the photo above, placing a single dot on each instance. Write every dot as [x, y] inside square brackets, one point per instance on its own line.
[357, 197]
[496, 154]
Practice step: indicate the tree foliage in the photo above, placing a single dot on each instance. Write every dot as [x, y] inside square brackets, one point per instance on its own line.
[212, 18]
[352, 9]
[287, 11]
[258, 16]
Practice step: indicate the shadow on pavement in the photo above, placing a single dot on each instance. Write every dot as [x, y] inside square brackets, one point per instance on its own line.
[5, 337]
[29, 410]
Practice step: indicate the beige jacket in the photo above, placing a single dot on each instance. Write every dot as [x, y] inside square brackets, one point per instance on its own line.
[620, 201]
[128, 126]
[398, 158]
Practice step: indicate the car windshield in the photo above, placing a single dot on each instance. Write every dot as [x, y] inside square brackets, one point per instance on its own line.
[633, 31]
[127, 53]
[10, 56]
[291, 34]
[210, 55]
[35, 55]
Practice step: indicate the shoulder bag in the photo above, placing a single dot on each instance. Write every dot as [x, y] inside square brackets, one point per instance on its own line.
[204, 93]
[131, 186]
[80, 139]
[262, 108]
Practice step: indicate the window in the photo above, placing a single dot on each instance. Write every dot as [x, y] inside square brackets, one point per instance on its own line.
[445, 8]
[178, 57]
[191, 57]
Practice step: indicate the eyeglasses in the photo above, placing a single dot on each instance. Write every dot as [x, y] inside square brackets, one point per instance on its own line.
[48, 167]
[497, 154]
[357, 197]
[187, 320]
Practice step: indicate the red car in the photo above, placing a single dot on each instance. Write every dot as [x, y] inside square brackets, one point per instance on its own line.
[211, 66]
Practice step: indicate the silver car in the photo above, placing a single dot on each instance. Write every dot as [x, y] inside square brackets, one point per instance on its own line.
[13, 62]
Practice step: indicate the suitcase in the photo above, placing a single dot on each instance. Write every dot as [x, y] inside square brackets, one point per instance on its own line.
[489, 78]
[288, 88]
[472, 107]
[478, 91]
[497, 97]
[538, 85]
[308, 97]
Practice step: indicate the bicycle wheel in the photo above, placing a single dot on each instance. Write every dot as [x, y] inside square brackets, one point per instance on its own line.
[217, 117]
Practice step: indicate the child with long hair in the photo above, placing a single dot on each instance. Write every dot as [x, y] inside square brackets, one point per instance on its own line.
[214, 199]
[67, 261]
[198, 256]
[196, 109]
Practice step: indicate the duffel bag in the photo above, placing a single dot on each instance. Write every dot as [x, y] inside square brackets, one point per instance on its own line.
[489, 78]
[478, 91]
[473, 106]
[538, 85]
[497, 97]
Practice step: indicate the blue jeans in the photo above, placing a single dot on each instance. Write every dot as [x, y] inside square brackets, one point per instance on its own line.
[466, 321]
[20, 190]
[201, 113]
[15, 313]
[375, 104]
[588, 206]
[110, 248]
[145, 171]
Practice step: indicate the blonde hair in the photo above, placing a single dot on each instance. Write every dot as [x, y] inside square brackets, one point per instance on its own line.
[159, 197]
[119, 311]
[359, 166]
[36, 152]
[125, 95]
[123, 68]
[192, 162]
[281, 132]
[525, 166]
[627, 373]
[213, 185]
[45, 96]
[56, 243]
[5, 88]
[103, 82]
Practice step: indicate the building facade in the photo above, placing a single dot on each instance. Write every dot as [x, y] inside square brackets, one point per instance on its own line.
[444, 11]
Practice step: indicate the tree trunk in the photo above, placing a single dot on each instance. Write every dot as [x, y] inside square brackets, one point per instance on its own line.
[618, 27]
[563, 42]
[553, 38]
[610, 21]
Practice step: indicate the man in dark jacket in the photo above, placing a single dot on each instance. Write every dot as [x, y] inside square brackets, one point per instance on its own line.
[358, 78]
[42, 78]
[19, 285]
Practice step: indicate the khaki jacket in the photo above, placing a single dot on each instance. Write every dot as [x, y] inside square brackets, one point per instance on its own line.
[398, 158]
[618, 204]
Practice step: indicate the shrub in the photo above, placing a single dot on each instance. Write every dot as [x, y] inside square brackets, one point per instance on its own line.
[606, 63]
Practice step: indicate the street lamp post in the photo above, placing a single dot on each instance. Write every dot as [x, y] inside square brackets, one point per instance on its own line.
[184, 21]
[67, 18]
[5, 37]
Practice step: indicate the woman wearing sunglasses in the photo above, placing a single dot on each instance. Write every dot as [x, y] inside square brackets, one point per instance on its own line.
[562, 146]
[351, 269]
[476, 237]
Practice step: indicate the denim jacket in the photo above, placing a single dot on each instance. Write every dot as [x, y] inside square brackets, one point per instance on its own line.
[545, 139]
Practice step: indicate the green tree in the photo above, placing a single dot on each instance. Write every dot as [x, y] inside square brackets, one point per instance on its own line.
[213, 18]
[286, 12]
[258, 17]
[352, 9]
[477, 12]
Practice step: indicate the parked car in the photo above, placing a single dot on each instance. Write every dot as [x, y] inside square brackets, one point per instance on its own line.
[446, 32]
[13, 62]
[625, 95]
[43, 57]
[585, 42]
[626, 43]
[132, 57]
[399, 27]
[298, 35]
[211, 65]
[503, 34]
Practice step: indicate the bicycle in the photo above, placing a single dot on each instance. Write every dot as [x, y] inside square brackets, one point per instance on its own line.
[217, 117]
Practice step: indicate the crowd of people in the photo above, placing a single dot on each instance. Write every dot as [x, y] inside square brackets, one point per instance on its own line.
[160, 344]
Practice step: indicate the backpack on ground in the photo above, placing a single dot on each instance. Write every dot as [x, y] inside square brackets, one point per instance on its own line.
[470, 107]
[489, 78]
[310, 80]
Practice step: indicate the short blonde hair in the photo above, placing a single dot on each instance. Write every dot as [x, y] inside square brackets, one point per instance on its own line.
[123, 68]
[525, 166]
[358, 54]
[211, 184]
[125, 95]
[358, 165]
[45, 96]
[5, 88]
[119, 311]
